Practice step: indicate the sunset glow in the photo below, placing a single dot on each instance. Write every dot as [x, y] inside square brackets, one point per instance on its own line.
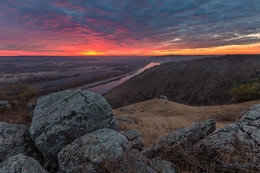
[91, 28]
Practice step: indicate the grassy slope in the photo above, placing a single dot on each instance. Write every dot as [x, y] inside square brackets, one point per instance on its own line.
[156, 118]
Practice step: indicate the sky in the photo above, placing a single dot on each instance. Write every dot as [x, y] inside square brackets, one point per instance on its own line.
[129, 27]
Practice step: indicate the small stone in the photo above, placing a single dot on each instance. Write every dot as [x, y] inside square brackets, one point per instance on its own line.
[135, 139]
[126, 120]
[163, 97]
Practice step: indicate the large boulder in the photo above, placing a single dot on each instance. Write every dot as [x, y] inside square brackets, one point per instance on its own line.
[60, 118]
[22, 164]
[97, 151]
[173, 146]
[16, 139]
[235, 147]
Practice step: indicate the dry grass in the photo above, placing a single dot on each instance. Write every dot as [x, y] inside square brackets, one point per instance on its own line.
[156, 118]
[19, 114]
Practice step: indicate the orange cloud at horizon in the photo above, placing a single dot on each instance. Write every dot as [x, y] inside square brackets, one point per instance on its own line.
[153, 51]
[220, 50]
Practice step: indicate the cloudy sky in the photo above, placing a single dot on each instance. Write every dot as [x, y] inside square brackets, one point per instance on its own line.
[129, 27]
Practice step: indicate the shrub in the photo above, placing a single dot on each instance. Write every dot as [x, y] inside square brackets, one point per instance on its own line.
[18, 95]
[245, 92]
[20, 92]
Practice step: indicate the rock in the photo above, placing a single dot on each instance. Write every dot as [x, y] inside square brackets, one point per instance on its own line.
[62, 117]
[96, 151]
[163, 97]
[125, 111]
[4, 104]
[135, 139]
[126, 120]
[22, 164]
[137, 162]
[238, 144]
[252, 116]
[132, 134]
[50, 166]
[162, 166]
[31, 105]
[16, 139]
[171, 147]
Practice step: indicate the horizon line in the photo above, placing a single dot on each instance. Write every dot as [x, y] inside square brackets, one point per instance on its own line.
[125, 55]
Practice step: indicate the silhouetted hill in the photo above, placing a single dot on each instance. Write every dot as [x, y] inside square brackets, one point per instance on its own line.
[197, 82]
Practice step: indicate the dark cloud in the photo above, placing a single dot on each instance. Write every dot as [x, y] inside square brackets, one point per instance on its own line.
[176, 23]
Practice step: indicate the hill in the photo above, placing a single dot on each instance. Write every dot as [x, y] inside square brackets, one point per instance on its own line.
[158, 117]
[206, 81]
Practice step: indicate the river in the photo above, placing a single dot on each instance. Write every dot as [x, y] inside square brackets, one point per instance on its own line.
[103, 88]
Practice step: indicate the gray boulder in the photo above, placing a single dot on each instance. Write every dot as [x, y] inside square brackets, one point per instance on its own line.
[22, 164]
[16, 139]
[62, 117]
[135, 139]
[236, 146]
[163, 97]
[96, 152]
[173, 146]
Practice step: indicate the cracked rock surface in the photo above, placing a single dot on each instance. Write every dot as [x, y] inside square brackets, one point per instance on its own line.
[238, 144]
[22, 164]
[135, 139]
[171, 146]
[94, 151]
[62, 117]
[16, 139]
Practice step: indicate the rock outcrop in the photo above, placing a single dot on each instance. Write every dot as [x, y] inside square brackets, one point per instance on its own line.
[135, 139]
[106, 150]
[62, 117]
[77, 132]
[96, 151]
[16, 139]
[22, 164]
[171, 146]
[235, 147]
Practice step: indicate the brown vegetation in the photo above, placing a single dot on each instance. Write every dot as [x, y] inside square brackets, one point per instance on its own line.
[156, 118]
[18, 95]
[19, 92]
